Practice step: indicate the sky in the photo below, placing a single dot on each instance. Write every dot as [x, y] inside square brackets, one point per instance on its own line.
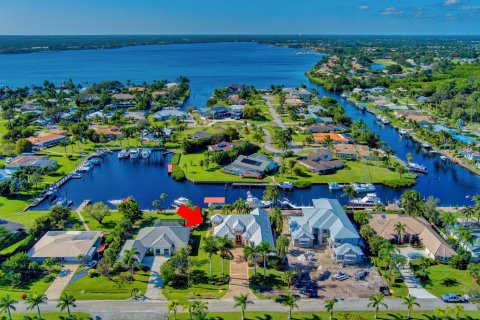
[357, 17]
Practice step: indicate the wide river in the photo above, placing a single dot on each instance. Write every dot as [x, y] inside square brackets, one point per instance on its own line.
[209, 66]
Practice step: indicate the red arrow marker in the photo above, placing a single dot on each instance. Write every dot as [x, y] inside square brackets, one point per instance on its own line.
[193, 217]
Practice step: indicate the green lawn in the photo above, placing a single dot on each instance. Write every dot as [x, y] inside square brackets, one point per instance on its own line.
[38, 286]
[273, 282]
[382, 315]
[443, 279]
[48, 315]
[201, 290]
[103, 288]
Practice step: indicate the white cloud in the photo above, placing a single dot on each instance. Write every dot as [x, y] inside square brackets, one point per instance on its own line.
[451, 2]
[362, 7]
[392, 11]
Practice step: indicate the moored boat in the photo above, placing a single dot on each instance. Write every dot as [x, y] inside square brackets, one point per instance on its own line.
[122, 154]
[76, 175]
[85, 168]
[363, 187]
[117, 202]
[134, 153]
[286, 185]
[145, 154]
[370, 200]
[180, 201]
[415, 167]
[334, 186]
[254, 202]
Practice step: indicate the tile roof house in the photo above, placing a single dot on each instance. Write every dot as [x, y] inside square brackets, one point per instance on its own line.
[109, 133]
[321, 161]
[167, 114]
[29, 160]
[353, 151]
[243, 229]
[335, 137]
[255, 165]
[159, 241]
[416, 229]
[200, 135]
[66, 246]
[48, 138]
[326, 127]
[327, 224]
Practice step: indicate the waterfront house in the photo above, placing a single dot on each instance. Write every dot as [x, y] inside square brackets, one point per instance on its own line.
[111, 133]
[420, 119]
[353, 151]
[243, 229]
[418, 230]
[327, 224]
[30, 160]
[234, 88]
[220, 112]
[158, 241]
[136, 116]
[167, 114]
[321, 161]
[48, 138]
[235, 99]
[300, 93]
[237, 111]
[326, 127]
[336, 138]
[123, 100]
[223, 146]
[255, 165]
[315, 109]
[294, 102]
[470, 154]
[67, 246]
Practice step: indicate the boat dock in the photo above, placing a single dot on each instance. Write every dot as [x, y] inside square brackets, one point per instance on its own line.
[251, 184]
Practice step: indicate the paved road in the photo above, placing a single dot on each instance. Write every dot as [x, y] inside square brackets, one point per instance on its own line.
[61, 281]
[149, 309]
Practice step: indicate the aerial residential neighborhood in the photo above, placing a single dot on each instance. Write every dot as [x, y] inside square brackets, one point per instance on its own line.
[265, 160]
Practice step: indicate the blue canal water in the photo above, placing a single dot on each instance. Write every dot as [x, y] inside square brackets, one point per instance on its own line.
[209, 66]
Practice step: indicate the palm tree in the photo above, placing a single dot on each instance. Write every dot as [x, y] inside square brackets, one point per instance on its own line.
[190, 309]
[200, 308]
[251, 251]
[289, 277]
[264, 248]
[386, 252]
[349, 191]
[282, 243]
[400, 229]
[7, 305]
[163, 196]
[448, 219]
[156, 205]
[291, 302]
[66, 301]
[376, 302]
[129, 258]
[409, 157]
[34, 301]
[210, 248]
[329, 304]
[271, 193]
[242, 302]
[410, 302]
[468, 212]
[225, 247]
[389, 152]
[276, 219]
[172, 307]
[64, 143]
[457, 310]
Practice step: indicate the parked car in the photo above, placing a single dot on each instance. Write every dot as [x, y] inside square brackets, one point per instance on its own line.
[453, 298]
[361, 274]
[340, 276]
[384, 290]
[91, 264]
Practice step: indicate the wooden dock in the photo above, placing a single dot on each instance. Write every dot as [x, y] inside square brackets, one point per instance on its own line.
[251, 184]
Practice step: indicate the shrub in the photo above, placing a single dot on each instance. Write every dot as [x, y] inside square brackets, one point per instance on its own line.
[176, 159]
[459, 262]
[92, 273]
[302, 184]
[178, 174]
[399, 183]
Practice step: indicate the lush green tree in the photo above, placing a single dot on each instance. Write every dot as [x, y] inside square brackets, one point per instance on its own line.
[210, 248]
[225, 247]
[282, 243]
[66, 301]
[129, 259]
[276, 219]
[23, 145]
[264, 249]
[376, 301]
[411, 201]
[98, 211]
[271, 193]
[290, 301]
[400, 229]
[251, 251]
[329, 305]
[410, 302]
[172, 308]
[130, 209]
[34, 301]
[7, 305]
[242, 302]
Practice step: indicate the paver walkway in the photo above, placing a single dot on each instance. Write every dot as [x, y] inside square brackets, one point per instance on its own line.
[155, 282]
[79, 213]
[55, 290]
[414, 286]
[238, 276]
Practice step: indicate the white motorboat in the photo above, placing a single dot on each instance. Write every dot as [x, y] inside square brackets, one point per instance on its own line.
[444, 158]
[415, 167]
[370, 200]
[286, 185]
[384, 120]
[427, 146]
[180, 201]
[85, 168]
[403, 132]
[122, 154]
[334, 186]
[363, 187]
[134, 153]
[117, 202]
[76, 175]
[146, 153]
[254, 202]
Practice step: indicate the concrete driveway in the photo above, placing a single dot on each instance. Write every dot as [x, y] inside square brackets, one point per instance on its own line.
[155, 282]
[55, 290]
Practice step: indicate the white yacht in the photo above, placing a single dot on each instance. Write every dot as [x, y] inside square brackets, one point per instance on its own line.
[384, 120]
[363, 187]
[76, 175]
[122, 154]
[334, 186]
[146, 153]
[134, 153]
[370, 200]
[254, 202]
[415, 167]
[180, 201]
[286, 185]
[85, 168]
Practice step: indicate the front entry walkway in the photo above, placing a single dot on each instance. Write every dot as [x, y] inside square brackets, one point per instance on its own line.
[55, 290]
[238, 276]
[414, 286]
[155, 282]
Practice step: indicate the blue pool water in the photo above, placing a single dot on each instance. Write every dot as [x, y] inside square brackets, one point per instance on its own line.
[209, 66]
